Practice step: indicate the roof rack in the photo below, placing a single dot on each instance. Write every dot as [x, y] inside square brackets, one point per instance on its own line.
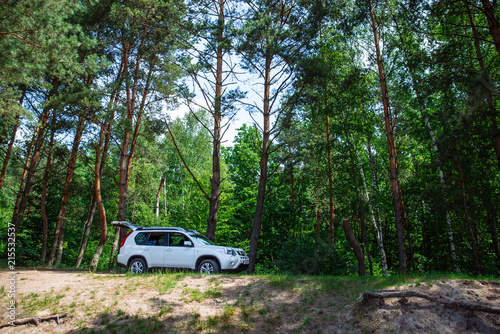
[162, 228]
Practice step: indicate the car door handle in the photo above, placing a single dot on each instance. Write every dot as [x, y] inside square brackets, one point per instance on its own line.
[168, 250]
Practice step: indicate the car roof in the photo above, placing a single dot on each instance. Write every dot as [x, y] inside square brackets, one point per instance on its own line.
[135, 227]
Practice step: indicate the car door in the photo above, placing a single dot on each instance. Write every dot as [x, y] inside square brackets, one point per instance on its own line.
[179, 252]
[152, 247]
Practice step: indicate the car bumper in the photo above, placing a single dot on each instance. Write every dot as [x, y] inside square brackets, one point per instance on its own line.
[239, 269]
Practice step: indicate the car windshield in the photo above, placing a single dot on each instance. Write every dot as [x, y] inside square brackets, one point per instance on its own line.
[201, 239]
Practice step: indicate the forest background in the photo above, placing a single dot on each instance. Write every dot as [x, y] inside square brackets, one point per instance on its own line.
[374, 144]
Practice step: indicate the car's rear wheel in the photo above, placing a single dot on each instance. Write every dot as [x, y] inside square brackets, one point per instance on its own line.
[138, 266]
[208, 267]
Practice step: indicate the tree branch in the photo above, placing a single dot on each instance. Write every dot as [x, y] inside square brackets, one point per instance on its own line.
[184, 162]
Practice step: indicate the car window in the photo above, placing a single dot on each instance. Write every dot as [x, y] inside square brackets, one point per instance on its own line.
[201, 239]
[177, 239]
[156, 238]
[150, 239]
[141, 238]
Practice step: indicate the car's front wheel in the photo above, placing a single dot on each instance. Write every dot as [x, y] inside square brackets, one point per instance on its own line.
[208, 267]
[138, 266]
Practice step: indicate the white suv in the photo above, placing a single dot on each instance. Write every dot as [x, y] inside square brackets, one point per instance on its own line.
[175, 247]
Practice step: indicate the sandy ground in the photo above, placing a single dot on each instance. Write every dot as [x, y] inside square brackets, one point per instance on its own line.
[180, 303]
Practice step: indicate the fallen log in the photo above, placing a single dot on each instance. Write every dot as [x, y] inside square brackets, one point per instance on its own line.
[36, 320]
[446, 302]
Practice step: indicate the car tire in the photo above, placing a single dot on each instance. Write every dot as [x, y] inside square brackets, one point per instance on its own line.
[138, 266]
[208, 267]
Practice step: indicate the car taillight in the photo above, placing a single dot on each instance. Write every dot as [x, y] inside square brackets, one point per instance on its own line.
[123, 241]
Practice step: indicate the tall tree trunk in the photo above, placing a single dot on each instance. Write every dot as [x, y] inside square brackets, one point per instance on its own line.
[45, 222]
[215, 181]
[389, 131]
[58, 240]
[331, 212]
[122, 183]
[165, 198]
[86, 231]
[318, 218]
[261, 193]
[364, 232]
[374, 217]
[102, 212]
[376, 226]
[107, 129]
[355, 246]
[361, 212]
[492, 23]
[114, 247]
[157, 208]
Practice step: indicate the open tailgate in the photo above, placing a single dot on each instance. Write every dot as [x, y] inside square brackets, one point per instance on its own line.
[129, 225]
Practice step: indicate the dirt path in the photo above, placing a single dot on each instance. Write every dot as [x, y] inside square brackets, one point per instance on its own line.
[185, 303]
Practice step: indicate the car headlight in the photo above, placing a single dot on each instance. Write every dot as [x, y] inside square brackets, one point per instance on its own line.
[230, 251]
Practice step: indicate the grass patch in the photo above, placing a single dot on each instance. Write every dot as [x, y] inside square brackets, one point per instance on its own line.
[32, 302]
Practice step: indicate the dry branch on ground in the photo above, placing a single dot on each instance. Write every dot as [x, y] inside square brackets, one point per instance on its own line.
[446, 302]
[35, 321]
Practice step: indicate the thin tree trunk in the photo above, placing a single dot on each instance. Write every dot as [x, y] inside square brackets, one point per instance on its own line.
[292, 181]
[331, 212]
[354, 161]
[58, 240]
[318, 219]
[83, 246]
[261, 194]
[355, 246]
[45, 222]
[364, 233]
[86, 231]
[165, 198]
[157, 209]
[375, 218]
[102, 212]
[215, 181]
[122, 183]
[114, 247]
[389, 131]
[376, 226]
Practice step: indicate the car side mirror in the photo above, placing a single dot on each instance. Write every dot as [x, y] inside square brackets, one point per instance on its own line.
[188, 243]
